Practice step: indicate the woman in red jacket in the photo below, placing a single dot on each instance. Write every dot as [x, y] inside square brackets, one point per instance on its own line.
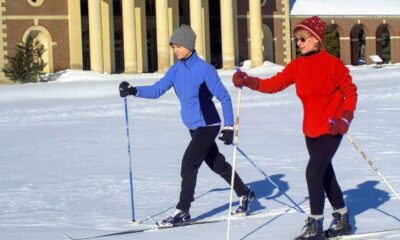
[329, 99]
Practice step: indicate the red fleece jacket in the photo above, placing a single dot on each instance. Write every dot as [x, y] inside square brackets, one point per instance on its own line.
[323, 85]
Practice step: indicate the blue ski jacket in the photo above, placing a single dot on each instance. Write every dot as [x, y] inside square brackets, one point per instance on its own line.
[195, 83]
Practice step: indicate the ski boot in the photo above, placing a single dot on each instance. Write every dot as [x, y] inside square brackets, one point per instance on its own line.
[244, 204]
[178, 219]
[312, 230]
[340, 225]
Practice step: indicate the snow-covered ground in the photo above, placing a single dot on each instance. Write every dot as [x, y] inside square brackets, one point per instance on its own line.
[65, 166]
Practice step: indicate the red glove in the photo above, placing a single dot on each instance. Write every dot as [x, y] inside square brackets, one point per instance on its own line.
[241, 79]
[341, 125]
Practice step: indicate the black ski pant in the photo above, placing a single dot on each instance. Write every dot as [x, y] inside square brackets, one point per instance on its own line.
[201, 148]
[320, 175]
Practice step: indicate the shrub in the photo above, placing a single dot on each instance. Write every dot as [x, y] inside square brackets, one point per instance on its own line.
[27, 65]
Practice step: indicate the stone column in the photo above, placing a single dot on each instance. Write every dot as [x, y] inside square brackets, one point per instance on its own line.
[256, 51]
[196, 23]
[227, 34]
[75, 34]
[96, 36]
[163, 47]
[173, 23]
[108, 35]
[235, 31]
[141, 35]
[129, 32]
[206, 29]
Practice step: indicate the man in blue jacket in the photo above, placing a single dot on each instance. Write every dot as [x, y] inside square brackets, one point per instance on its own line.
[195, 83]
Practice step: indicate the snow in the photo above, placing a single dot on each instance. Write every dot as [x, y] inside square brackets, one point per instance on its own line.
[345, 7]
[65, 166]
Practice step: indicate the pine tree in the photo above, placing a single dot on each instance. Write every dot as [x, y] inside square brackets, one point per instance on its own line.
[27, 65]
[386, 46]
[331, 41]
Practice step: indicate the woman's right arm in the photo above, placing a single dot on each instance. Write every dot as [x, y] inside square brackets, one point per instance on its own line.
[279, 82]
[273, 84]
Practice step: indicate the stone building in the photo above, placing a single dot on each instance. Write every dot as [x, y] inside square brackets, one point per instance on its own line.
[132, 36]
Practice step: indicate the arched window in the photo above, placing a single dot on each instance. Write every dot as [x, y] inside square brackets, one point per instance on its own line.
[35, 3]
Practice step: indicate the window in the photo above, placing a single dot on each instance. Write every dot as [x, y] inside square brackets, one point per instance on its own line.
[263, 2]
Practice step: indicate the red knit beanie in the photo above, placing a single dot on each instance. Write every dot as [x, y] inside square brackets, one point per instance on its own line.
[314, 25]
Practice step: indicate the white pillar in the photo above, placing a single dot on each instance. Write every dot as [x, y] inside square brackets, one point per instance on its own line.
[227, 35]
[256, 51]
[75, 34]
[206, 30]
[128, 19]
[173, 23]
[196, 23]
[141, 35]
[163, 47]
[96, 36]
[108, 35]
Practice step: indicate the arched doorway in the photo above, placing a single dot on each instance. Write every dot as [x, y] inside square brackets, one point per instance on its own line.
[357, 38]
[268, 43]
[43, 36]
[383, 43]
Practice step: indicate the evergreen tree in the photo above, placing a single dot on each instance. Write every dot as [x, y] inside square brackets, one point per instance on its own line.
[27, 65]
[362, 43]
[331, 41]
[386, 46]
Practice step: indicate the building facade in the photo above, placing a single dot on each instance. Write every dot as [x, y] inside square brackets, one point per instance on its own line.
[132, 36]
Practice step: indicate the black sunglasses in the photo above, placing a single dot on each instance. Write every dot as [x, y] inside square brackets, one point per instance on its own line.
[302, 39]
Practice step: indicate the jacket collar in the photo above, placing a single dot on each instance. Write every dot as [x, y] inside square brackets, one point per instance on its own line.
[310, 53]
[190, 61]
[314, 52]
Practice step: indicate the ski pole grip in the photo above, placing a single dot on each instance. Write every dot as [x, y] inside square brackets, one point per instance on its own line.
[238, 70]
[331, 121]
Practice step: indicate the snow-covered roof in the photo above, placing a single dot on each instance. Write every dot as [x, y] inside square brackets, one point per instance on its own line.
[345, 7]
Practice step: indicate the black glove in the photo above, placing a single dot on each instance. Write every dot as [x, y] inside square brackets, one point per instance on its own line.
[226, 135]
[126, 89]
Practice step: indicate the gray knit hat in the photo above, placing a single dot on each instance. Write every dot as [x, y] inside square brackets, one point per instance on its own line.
[184, 36]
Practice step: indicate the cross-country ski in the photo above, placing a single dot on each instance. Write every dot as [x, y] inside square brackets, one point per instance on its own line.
[158, 226]
[374, 235]
[144, 229]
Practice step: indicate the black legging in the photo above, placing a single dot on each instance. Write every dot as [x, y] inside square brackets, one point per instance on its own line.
[201, 148]
[320, 174]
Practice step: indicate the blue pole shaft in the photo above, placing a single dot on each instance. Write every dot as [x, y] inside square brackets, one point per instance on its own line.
[130, 159]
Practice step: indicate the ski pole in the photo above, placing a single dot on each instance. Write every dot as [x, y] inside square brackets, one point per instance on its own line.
[235, 140]
[130, 159]
[370, 163]
[270, 180]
